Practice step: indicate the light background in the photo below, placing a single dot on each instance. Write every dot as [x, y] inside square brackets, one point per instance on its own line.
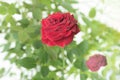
[108, 13]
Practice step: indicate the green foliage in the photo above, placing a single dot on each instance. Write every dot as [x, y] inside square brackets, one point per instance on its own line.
[92, 13]
[24, 22]
[12, 9]
[42, 56]
[37, 76]
[96, 76]
[83, 77]
[82, 48]
[3, 10]
[77, 50]
[2, 70]
[37, 14]
[44, 71]
[31, 53]
[23, 36]
[80, 64]
[27, 62]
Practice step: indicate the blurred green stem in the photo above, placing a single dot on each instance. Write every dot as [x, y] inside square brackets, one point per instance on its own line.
[63, 67]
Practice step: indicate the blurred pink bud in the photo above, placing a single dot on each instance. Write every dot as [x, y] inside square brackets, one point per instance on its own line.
[95, 62]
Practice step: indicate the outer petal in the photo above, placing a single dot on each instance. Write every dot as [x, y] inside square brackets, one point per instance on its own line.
[64, 41]
[45, 39]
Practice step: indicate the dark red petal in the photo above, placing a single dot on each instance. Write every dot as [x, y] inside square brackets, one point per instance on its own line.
[65, 41]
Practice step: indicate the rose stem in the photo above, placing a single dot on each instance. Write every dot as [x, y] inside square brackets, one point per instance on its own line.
[63, 56]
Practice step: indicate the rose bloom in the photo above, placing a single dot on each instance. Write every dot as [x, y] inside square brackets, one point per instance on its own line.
[58, 29]
[96, 61]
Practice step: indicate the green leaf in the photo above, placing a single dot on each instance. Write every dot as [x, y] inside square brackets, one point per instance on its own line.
[52, 75]
[82, 48]
[23, 36]
[106, 70]
[32, 28]
[28, 50]
[37, 13]
[26, 5]
[46, 3]
[53, 52]
[6, 47]
[95, 76]
[27, 62]
[16, 28]
[44, 71]
[92, 13]
[17, 50]
[37, 76]
[78, 50]
[7, 36]
[72, 70]
[15, 36]
[71, 50]
[3, 10]
[24, 22]
[44, 58]
[10, 19]
[86, 20]
[67, 6]
[58, 63]
[113, 76]
[38, 4]
[37, 44]
[4, 3]
[2, 70]
[70, 56]
[12, 9]
[34, 31]
[41, 55]
[83, 76]
[80, 64]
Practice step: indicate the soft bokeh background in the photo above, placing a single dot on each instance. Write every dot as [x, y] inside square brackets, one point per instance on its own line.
[107, 12]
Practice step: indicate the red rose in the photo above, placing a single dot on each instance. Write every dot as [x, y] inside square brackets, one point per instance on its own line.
[59, 29]
[96, 61]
